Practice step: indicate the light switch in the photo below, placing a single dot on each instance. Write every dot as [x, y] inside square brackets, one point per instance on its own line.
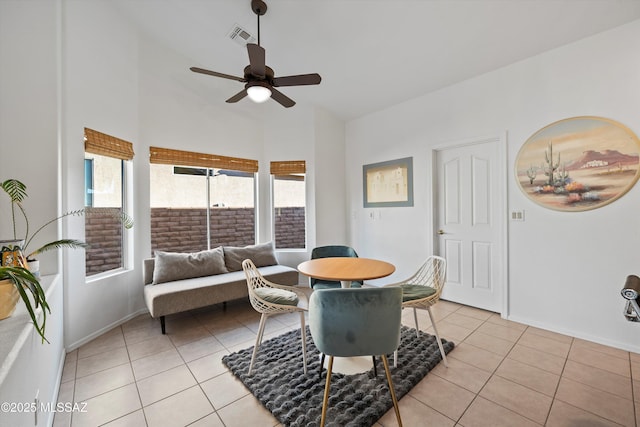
[517, 215]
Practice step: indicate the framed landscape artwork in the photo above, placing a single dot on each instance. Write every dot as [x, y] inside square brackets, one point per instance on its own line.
[578, 164]
[388, 184]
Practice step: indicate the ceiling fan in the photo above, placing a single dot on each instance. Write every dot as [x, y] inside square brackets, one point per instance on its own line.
[260, 79]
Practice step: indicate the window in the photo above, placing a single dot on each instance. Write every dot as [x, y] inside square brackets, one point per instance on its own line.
[105, 178]
[88, 182]
[288, 201]
[201, 201]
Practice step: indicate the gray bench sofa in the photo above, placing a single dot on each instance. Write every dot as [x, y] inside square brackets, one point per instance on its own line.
[177, 282]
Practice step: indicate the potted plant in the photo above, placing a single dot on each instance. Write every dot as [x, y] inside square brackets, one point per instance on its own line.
[16, 280]
[17, 273]
[17, 192]
[14, 271]
[21, 280]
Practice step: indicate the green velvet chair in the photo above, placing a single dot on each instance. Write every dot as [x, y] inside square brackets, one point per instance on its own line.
[329, 252]
[422, 291]
[269, 298]
[356, 322]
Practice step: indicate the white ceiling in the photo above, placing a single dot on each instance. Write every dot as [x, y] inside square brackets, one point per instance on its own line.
[371, 54]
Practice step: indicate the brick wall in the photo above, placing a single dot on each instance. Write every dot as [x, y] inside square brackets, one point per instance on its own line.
[103, 234]
[184, 230]
[290, 228]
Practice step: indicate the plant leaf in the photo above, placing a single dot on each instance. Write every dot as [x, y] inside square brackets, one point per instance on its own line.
[127, 221]
[24, 280]
[59, 244]
[16, 190]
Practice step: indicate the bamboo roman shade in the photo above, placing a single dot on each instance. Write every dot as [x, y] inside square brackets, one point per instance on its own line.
[106, 145]
[288, 167]
[167, 156]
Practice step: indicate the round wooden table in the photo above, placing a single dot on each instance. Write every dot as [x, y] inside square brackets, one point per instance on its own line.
[345, 269]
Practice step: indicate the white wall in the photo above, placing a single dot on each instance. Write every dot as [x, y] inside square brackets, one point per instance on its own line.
[176, 116]
[100, 91]
[29, 152]
[120, 83]
[29, 82]
[288, 135]
[316, 136]
[330, 190]
[565, 269]
[109, 83]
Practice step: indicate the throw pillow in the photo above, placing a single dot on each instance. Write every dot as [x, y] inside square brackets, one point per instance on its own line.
[262, 255]
[170, 266]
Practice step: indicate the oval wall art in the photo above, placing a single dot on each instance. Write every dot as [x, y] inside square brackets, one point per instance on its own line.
[578, 164]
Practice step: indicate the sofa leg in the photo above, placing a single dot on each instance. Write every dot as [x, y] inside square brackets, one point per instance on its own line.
[162, 325]
[224, 305]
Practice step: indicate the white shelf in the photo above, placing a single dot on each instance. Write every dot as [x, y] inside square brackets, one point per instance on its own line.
[15, 330]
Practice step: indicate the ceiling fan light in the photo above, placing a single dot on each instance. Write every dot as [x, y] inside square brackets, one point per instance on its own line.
[258, 93]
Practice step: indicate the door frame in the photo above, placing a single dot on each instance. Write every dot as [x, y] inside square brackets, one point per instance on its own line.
[500, 206]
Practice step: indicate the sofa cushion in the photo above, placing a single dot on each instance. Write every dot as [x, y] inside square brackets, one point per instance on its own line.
[170, 266]
[262, 255]
[277, 296]
[187, 294]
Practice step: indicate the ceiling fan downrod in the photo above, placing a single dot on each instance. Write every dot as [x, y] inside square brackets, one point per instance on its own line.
[259, 7]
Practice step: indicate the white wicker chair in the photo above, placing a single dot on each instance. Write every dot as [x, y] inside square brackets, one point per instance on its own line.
[423, 290]
[268, 298]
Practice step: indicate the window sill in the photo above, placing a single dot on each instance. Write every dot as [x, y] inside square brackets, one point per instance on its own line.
[106, 275]
[15, 330]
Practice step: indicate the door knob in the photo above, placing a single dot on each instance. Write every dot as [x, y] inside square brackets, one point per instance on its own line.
[440, 232]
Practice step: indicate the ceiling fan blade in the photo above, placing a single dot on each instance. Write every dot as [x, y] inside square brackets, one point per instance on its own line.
[238, 96]
[299, 80]
[282, 99]
[256, 59]
[216, 74]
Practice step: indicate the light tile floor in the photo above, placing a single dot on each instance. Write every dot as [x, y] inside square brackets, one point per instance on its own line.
[501, 373]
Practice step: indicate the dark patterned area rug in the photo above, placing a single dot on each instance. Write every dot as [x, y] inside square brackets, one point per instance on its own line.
[295, 399]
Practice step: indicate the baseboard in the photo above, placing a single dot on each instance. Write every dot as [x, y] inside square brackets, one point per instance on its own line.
[56, 389]
[587, 337]
[107, 328]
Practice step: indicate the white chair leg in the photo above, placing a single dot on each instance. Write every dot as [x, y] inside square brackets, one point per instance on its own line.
[415, 317]
[263, 320]
[303, 332]
[433, 322]
[395, 358]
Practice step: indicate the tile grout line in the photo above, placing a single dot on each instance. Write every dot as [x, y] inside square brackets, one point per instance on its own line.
[573, 340]
[135, 381]
[566, 359]
[185, 364]
[491, 376]
[457, 421]
[199, 384]
[238, 314]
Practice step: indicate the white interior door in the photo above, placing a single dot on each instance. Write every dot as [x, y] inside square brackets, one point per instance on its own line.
[468, 223]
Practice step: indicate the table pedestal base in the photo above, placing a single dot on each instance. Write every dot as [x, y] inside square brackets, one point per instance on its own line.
[345, 283]
[350, 365]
